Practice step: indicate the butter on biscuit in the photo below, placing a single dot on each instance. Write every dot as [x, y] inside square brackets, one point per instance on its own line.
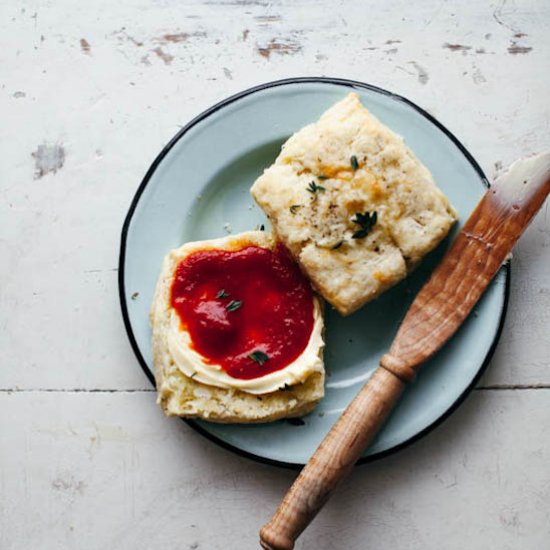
[193, 386]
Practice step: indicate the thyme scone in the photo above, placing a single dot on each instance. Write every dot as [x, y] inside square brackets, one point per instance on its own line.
[353, 204]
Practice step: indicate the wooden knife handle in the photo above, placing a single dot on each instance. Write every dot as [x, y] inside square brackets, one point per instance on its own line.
[336, 455]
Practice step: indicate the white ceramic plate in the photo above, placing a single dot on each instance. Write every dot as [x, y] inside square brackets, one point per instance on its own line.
[199, 186]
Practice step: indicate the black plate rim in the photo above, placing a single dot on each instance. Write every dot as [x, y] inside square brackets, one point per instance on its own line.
[133, 205]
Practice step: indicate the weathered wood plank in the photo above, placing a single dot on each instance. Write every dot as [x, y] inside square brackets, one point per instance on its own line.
[106, 470]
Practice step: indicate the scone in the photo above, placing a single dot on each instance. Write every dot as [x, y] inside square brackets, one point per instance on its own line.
[353, 204]
[237, 332]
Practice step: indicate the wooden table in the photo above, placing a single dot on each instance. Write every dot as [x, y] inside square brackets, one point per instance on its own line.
[90, 93]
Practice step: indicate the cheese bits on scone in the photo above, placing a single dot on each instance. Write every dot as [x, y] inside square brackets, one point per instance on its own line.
[353, 204]
[237, 332]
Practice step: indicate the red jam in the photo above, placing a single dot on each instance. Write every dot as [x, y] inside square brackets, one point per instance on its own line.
[250, 310]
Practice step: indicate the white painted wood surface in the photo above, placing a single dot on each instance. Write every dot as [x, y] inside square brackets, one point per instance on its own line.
[89, 95]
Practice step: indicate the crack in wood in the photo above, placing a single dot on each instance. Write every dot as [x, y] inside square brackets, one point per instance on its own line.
[77, 390]
[491, 387]
[500, 387]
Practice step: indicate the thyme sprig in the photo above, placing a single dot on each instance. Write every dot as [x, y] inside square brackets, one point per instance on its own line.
[259, 357]
[314, 188]
[366, 221]
[233, 305]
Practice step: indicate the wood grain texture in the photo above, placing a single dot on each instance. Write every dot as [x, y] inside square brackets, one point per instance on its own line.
[333, 460]
[104, 470]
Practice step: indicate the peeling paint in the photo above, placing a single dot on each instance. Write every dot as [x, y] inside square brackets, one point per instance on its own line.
[122, 35]
[134, 41]
[515, 49]
[497, 16]
[261, 3]
[268, 18]
[423, 75]
[176, 38]
[509, 518]
[69, 485]
[85, 46]
[457, 47]
[478, 77]
[48, 159]
[166, 57]
[280, 47]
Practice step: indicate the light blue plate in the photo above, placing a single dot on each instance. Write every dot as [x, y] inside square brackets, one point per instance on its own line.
[199, 186]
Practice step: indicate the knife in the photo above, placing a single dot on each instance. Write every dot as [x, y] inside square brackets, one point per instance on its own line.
[438, 310]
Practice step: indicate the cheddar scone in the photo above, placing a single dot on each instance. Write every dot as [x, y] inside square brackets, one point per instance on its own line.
[237, 332]
[353, 204]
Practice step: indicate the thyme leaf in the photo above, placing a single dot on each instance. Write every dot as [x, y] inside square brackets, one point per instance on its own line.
[314, 188]
[233, 305]
[366, 221]
[259, 357]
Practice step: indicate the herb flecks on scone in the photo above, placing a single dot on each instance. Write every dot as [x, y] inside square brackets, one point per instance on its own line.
[353, 204]
[237, 332]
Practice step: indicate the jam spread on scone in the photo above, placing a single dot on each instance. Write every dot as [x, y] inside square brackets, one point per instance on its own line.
[250, 310]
